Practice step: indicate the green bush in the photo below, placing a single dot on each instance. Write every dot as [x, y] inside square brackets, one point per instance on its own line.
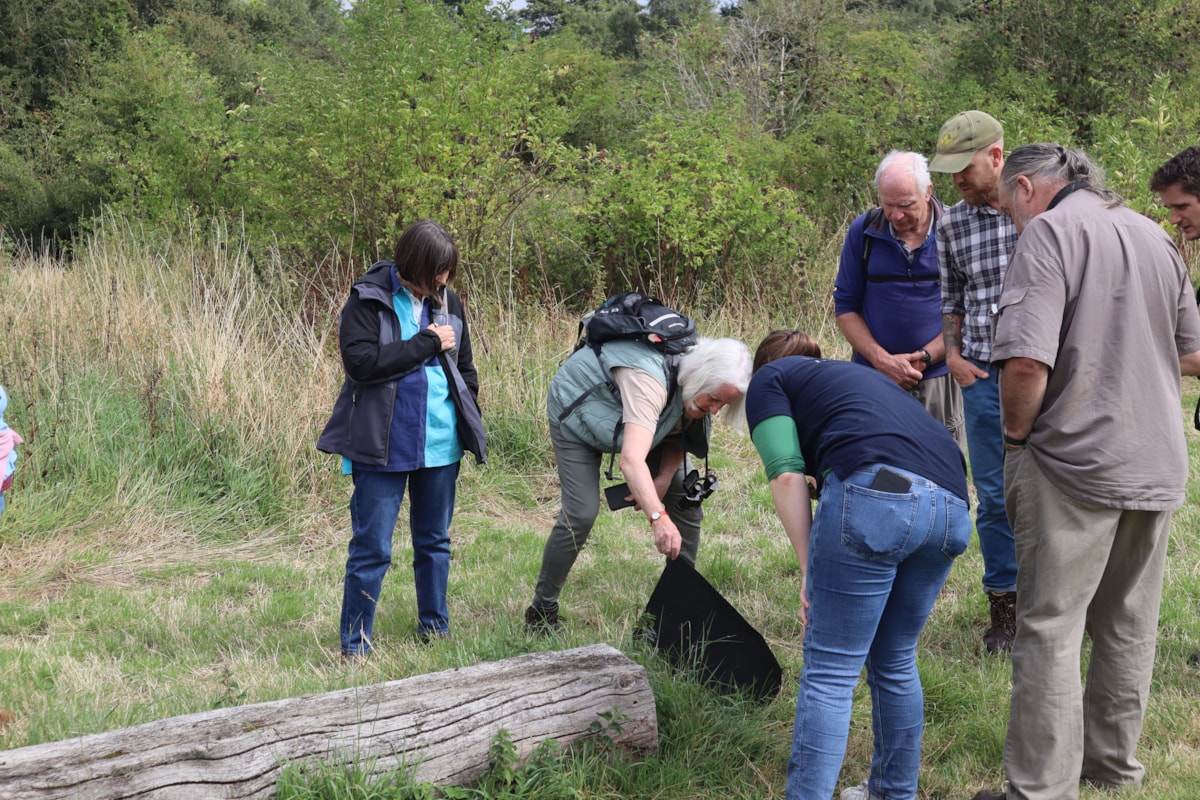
[23, 202]
[1097, 58]
[143, 130]
[687, 215]
[343, 159]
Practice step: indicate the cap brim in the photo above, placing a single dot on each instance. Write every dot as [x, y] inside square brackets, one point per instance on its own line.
[951, 162]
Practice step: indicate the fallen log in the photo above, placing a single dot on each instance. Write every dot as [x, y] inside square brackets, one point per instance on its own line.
[440, 726]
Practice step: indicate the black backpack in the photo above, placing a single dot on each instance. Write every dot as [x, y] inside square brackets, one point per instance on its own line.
[635, 316]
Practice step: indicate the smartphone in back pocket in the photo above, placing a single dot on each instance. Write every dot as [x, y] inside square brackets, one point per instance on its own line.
[615, 495]
[891, 482]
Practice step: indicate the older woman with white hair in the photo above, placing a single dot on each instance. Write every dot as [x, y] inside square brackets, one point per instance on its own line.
[654, 425]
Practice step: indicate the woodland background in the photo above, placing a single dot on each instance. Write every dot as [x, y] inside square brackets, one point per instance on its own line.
[574, 147]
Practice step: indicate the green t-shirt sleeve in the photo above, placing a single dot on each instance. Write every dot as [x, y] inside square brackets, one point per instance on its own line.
[778, 446]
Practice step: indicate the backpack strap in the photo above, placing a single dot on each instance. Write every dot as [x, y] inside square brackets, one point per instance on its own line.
[670, 373]
[873, 217]
[670, 370]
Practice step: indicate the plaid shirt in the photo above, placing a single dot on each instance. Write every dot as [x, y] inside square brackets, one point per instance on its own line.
[974, 245]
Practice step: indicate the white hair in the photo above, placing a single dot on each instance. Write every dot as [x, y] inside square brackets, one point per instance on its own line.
[914, 164]
[711, 364]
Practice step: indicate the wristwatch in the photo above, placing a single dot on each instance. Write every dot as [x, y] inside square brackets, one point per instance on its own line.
[1011, 442]
[925, 356]
[655, 516]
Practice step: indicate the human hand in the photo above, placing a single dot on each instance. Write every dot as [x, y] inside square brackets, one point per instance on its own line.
[901, 368]
[965, 372]
[666, 537]
[445, 333]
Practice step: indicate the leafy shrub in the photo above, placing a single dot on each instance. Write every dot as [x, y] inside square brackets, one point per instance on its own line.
[1131, 150]
[343, 159]
[687, 215]
[143, 130]
[23, 202]
[1095, 57]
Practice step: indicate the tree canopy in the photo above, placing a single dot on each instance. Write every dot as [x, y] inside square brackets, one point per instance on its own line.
[581, 144]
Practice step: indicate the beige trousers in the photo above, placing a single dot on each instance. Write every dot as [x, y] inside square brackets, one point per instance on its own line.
[1080, 567]
[942, 397]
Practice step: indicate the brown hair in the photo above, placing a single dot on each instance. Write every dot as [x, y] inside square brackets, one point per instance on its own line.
[782, 343]
[1183, 169]
[424, 251]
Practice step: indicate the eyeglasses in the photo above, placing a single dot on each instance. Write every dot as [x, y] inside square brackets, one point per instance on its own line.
[696, 489]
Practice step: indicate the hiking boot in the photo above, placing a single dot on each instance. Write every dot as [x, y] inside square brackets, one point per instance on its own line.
[999, 638]
[987, 794]
[1194, 659]
[541, 619]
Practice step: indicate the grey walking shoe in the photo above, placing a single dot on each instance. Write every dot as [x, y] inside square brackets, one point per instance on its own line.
[860, 792]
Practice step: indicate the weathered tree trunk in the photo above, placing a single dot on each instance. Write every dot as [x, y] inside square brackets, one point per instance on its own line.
[441, 725]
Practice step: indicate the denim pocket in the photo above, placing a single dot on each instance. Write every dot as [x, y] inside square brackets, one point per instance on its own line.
[958, 526]
[876, 524]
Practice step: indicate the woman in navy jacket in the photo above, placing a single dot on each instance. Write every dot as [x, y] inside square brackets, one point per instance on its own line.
[406, 413]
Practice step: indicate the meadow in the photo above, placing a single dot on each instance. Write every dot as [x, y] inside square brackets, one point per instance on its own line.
[175, 543]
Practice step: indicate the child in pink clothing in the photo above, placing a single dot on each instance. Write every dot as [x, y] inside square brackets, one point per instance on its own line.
[9, 439]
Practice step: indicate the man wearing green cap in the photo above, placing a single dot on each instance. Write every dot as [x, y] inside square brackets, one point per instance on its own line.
[974, 243]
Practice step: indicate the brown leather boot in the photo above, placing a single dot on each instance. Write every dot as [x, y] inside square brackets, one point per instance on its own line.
[541, 619]
[999, 638]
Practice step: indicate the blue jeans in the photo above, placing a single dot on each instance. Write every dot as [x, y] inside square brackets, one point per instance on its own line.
[986, 448]
[374, 509]
[876, 562]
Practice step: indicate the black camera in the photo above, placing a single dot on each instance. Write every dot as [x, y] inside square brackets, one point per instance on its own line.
[696, 489]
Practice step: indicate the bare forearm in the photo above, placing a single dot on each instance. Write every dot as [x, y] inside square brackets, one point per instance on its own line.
[789, 492]
[936, 347]
[855, 329]
[1022, 390]
[1189, 364]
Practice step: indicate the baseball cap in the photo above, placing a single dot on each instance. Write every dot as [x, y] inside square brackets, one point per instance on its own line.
[961, 137]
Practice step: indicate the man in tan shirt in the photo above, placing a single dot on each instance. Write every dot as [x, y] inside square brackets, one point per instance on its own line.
[1097, 321]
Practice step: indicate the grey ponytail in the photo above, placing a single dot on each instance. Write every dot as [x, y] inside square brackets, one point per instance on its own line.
[1047, 162]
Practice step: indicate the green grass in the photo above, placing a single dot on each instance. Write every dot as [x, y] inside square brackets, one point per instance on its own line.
[174, 543]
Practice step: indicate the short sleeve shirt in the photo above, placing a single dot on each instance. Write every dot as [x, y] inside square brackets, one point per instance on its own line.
[643, 397]
[1102, 297]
